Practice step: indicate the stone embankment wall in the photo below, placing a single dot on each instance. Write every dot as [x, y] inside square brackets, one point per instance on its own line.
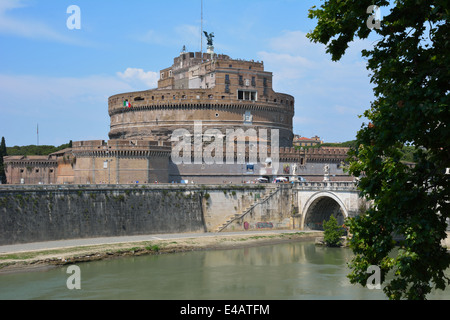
[45, 213]
[33, 214]
[273, 208]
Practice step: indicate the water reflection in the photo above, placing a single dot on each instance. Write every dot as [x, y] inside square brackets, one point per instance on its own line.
[280, 272]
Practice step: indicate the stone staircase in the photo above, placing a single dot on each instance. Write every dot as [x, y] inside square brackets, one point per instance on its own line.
[244, 212]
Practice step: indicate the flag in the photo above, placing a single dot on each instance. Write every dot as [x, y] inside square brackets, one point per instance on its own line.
[126, 104]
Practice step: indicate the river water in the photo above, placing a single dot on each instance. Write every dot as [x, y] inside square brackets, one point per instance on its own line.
[292, 271]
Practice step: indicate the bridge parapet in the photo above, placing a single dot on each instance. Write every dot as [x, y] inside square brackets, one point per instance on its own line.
[326, 185]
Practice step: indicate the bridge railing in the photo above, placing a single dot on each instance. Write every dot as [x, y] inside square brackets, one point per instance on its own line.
[326, 185]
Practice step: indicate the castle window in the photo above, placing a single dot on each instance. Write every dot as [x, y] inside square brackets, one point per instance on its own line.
[247, 95]
[174, 97]
[210, 96]
[162, 75]
[241, 81]
[162, 98]
[253, 81]
[227, 79]
[227, 88]
[183, 97]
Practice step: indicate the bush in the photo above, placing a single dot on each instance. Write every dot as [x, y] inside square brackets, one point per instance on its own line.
[332, 232]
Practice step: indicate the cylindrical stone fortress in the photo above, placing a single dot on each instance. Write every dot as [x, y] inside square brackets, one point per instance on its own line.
[215, 90]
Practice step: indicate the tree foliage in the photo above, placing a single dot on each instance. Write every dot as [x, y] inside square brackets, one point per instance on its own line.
[3, 153]
[33, 150]
[410, 73]
[332, 232]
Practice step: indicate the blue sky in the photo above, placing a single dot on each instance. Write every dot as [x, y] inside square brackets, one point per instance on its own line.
[61, 79]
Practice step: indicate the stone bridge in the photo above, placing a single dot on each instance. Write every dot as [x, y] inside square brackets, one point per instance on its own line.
[317, 201]
[298, 205]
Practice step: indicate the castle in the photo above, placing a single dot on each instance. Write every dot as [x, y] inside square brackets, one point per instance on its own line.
[221, 94]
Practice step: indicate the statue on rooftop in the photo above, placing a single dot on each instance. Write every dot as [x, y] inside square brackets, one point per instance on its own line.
[209, 37]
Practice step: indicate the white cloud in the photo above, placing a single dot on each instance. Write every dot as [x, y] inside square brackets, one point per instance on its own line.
[29, 28]
[139, 77]
[288, 66]
[51, 90]
[66, 108]
[329, 95]
[10, 4]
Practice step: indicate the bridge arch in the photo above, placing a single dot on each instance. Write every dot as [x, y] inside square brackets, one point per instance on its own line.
[321, 206]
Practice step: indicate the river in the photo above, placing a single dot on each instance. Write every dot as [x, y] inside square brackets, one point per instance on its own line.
[292, 271]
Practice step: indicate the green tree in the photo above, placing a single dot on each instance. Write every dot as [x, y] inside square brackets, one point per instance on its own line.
[409, 70]
[3, 153]
[3, 147]
[36, 150]
[332, 232]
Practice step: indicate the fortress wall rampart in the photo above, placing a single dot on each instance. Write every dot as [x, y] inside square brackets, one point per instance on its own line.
[120, 161]
[34, 213]
[46, 213]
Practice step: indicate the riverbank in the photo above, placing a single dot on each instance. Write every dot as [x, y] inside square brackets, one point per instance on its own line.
[35, 260]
